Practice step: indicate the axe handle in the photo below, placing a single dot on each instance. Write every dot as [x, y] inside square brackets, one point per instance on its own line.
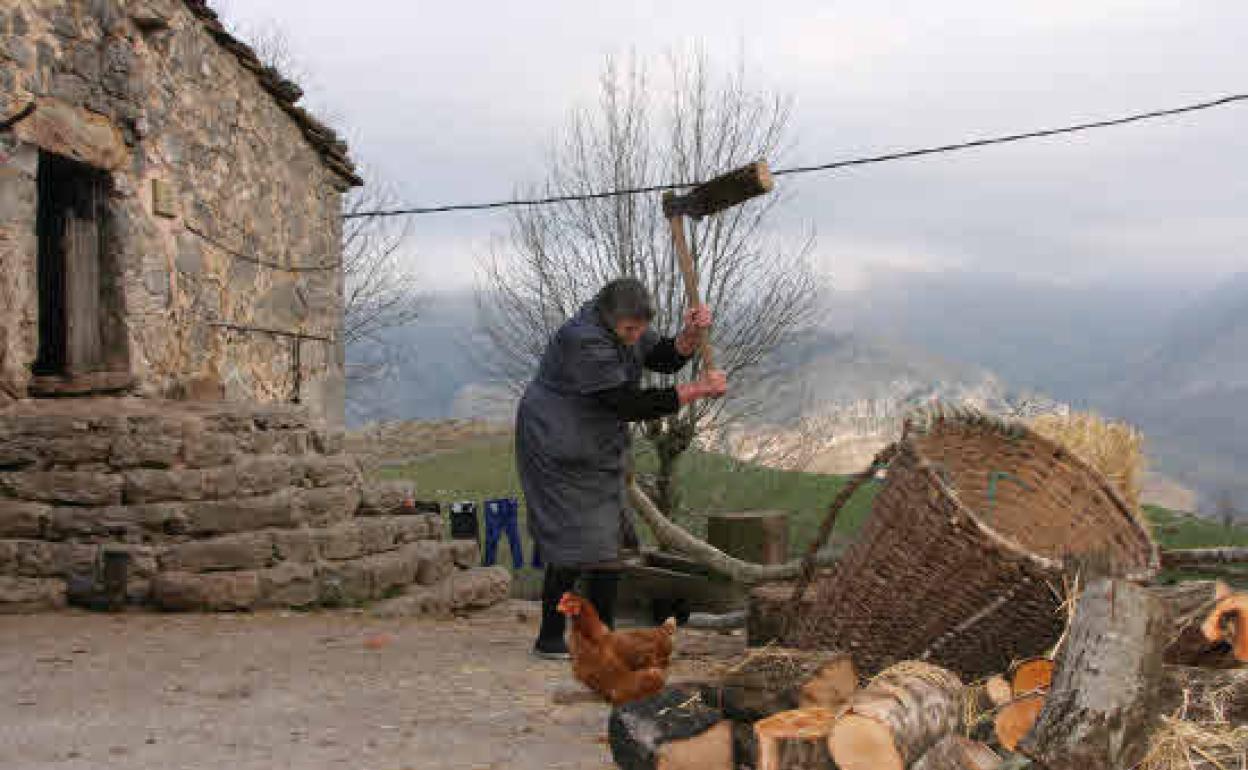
[685, 258]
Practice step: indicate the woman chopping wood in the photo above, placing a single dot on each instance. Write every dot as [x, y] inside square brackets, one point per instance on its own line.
[573, 444]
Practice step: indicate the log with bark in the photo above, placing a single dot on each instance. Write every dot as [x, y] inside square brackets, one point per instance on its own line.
[1196, 558]
[674, 730]
[956, 752]
[1106, 690]
[772, 680]
[896, 718]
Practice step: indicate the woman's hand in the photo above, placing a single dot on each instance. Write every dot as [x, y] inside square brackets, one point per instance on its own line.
[697, 321]
[712, 384]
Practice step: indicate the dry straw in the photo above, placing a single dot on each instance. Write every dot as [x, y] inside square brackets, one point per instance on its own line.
[1115, 449]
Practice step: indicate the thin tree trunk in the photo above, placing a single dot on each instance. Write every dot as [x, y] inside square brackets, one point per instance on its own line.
[1107, 686]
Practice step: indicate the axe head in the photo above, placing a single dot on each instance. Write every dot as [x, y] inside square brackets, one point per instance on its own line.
[724, 191]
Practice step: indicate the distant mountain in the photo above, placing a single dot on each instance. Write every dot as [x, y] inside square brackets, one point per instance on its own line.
[1173, 359]
[1190, 393]
[429, 363]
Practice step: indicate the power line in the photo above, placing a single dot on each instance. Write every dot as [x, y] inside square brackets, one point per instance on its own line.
[901, 155]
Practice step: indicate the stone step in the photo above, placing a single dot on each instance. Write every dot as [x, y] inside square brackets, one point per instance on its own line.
[21, 595]
[118, 434]
[323, 583]
[464, 590]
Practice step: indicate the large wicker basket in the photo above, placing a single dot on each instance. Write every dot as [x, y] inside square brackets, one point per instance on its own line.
[963, 558]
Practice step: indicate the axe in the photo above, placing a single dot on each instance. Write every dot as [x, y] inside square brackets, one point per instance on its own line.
[724, 191]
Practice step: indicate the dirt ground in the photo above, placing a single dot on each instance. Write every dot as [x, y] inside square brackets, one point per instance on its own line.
[291, 690]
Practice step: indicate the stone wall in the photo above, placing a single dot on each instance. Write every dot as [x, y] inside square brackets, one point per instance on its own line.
[222, 212]
[221, 507]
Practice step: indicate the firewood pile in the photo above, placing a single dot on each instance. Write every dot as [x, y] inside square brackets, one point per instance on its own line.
[1143, 676]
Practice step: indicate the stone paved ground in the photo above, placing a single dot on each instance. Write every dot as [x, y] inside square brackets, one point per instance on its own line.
[290, 690]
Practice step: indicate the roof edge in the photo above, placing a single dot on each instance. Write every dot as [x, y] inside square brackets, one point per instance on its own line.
[285, 92]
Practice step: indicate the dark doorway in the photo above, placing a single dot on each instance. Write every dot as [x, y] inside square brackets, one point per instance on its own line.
[78, 280]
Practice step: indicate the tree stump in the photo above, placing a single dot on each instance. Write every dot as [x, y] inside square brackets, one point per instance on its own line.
[896, 718]
[761, 537]
[955, 752]
[1106, 690]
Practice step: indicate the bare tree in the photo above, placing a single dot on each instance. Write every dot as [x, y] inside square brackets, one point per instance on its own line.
[761, 289]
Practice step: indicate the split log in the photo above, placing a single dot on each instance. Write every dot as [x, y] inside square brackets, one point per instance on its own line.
[997, 690]
[795, 740]
[1016, 718]
[896, 718]
[772, 680]
[1105, 695]
[1031, 675]
[956, 752]
[1192, 603]
[673, 730]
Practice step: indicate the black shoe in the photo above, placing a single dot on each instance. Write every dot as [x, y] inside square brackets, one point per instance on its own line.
[553, 649]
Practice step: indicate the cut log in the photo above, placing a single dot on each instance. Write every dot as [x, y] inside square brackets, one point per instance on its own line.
[1105, 695]
[1228, 622]
[711, 750]
[1016, 718]
[795, 740]
[1031, 675]
[831, 686]
[1205, 695]
[997, 690]
[1191, 604]
[638, 732]
[956, 752]
[771, 680]
[896, 718]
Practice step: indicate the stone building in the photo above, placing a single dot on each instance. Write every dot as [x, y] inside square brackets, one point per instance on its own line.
[171, 297]
[169, 217]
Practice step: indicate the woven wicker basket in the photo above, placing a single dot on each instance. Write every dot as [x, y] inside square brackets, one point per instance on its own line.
[962, 560]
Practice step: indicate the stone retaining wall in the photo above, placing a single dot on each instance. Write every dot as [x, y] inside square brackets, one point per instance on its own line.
[221, 507]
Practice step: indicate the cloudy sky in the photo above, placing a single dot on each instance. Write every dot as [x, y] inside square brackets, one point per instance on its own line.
[456, 102]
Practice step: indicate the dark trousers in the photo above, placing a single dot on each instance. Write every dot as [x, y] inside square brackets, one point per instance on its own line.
[499, 522]
[601, 588]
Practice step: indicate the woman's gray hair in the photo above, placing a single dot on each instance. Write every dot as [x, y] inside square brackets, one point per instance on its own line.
[624, 299]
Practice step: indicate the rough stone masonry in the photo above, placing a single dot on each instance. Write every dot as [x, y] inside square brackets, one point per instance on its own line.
[216, 214]
[221, 507]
